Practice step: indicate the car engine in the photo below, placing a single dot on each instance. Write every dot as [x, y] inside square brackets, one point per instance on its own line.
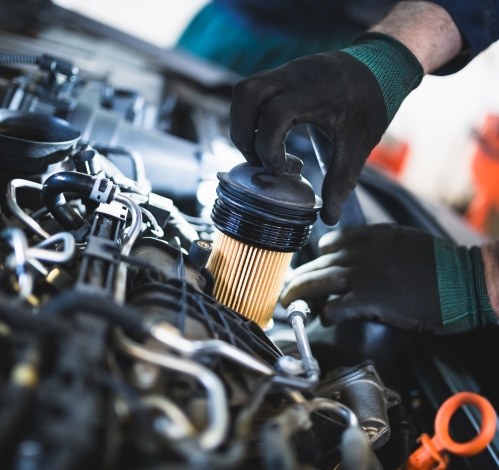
[116, 352]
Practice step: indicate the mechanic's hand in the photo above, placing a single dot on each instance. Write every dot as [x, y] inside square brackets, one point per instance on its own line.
[396, 275]
[350, 96]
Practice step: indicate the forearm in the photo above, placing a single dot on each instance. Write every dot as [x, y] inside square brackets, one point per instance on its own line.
[426, 29]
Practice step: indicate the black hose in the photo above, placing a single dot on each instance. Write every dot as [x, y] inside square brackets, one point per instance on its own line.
[14, 415]
[148, 438]
[70, 181]
[18, 399]
[12, 58]
[20, 319]
[71, 303]
[39, 213]
[398, 449]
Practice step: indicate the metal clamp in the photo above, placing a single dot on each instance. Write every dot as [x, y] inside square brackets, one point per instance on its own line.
[101, 190]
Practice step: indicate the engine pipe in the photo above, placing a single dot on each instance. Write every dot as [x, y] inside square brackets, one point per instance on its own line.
[297, 318]
[68, 304]
[97, 188]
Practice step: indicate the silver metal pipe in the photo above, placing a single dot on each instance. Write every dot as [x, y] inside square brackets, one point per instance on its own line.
[300, 383]
[156, 230]
[134, 230]
[17, 261]
[38, 266]
[50, 256]
[180, 427]
[169, 336]
[218, 416]
[18, 212]
[297, 316]
[301, 337]
[166, 334]
[126, 246]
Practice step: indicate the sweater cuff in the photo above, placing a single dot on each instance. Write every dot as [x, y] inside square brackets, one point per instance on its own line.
[395, 67]
[464, 301]
[490, 259]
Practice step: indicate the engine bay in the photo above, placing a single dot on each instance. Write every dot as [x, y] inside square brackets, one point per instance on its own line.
[115, 351]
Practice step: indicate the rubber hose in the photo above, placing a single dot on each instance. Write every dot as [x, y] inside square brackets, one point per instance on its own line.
[402, 440]
[70, 303]
[14, 417]
[18, 397]
[56, 186]
[20, 319]
[12, 58]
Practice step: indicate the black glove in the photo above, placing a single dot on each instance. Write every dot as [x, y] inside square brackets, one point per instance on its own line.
[350, 96]
[396, 275]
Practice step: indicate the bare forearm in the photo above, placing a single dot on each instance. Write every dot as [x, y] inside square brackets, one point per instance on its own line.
[426, 29]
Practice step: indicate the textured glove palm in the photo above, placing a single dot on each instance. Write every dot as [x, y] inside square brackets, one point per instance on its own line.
[350, 96]
[396, 275]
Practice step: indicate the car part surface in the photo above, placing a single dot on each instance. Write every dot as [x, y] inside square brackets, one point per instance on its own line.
[114, 351]
[362, 389]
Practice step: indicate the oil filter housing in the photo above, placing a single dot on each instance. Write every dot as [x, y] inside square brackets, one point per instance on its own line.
[261, 220]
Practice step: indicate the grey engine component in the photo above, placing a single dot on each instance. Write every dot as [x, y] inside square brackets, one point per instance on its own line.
[115, 353]
[362, 389]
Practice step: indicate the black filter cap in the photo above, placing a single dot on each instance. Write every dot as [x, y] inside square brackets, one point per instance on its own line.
[30, 142]
[266, 211]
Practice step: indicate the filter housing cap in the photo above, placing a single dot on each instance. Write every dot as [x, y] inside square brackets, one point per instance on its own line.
[266, 211]
[289, 189]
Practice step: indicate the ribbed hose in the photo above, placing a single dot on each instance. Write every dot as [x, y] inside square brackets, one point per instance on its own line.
[45, 62]
[12, 58]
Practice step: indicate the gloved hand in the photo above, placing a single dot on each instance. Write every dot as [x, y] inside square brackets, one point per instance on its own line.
[396, 275]
[350, 96]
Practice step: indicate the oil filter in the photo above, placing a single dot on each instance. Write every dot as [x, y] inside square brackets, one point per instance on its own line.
[261, 220]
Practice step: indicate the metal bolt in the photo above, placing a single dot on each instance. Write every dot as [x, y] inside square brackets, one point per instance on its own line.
[290, 365]
[144, 375]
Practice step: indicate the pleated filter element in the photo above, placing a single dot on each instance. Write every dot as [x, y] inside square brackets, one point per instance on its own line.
[261, 220]
[248, 279]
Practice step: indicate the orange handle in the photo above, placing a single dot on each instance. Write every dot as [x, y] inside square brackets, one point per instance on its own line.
[432, 453]
[487, 429]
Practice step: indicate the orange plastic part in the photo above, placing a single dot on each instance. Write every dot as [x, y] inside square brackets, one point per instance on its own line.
[487, 430]
[390, 156]
[485, 169]
[432, 455]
